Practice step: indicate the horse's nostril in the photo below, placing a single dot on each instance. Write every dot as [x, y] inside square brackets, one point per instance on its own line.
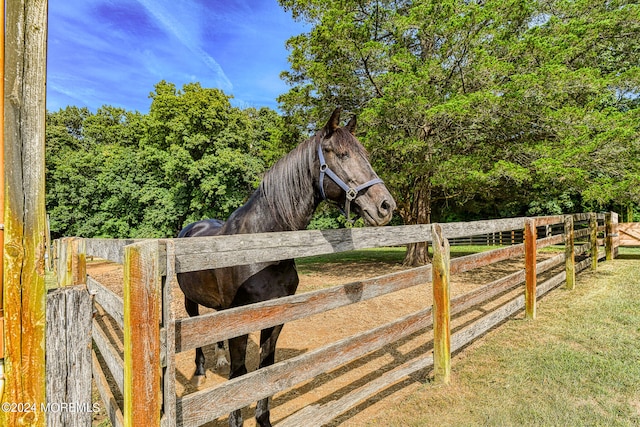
[385, 206]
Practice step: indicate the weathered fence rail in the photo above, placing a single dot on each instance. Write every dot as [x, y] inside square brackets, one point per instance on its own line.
[629, 233]
[138, 346]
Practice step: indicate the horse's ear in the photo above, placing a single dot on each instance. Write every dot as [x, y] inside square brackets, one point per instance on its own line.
[333, 123]
[351, 126]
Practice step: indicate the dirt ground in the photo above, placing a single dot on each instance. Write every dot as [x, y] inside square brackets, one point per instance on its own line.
[307, 334]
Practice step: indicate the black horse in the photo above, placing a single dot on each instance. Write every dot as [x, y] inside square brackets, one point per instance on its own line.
[330, 166]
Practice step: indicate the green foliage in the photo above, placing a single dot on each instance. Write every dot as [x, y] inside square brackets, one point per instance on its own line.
[480, 108]
[121, 174]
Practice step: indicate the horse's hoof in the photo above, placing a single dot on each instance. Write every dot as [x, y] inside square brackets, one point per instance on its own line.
[221, 362]
[198, 380]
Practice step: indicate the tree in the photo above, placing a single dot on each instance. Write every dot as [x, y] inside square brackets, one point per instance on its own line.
[419, 72]
[460, 99]
[116, 173]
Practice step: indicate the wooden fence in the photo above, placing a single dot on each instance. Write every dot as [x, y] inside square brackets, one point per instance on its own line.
[629, 233]
[138, 340]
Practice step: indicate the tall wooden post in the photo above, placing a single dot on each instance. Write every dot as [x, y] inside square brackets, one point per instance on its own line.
[2, 187]
[72, 268]
[608, 238]
[530, 250]
[569, 254]
[593, 237]
[24, 215]
[169, 329]
[142, 317]
[441, 267]
[615, 237]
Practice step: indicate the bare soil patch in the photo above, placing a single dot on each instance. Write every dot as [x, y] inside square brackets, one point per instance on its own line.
[307, 334]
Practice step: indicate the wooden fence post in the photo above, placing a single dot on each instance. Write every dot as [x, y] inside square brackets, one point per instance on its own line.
[608, 235]
[593, 233]
[142, 392]
[441, 268]
[530, 249]
[615, 237]
[69, 314]
[569, 254]
[24, 292]
[72, 262]
[169, 331]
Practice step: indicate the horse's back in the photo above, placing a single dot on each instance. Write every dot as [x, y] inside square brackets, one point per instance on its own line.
[203, 228]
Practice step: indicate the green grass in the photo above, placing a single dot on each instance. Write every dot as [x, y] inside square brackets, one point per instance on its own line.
[578, 364]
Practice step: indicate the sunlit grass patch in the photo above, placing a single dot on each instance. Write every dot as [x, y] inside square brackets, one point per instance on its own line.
[577, 364]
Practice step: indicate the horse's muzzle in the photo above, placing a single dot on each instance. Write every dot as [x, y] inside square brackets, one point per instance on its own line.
[376, 206]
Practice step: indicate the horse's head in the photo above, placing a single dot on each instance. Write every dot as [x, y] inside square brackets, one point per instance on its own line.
[346, 176]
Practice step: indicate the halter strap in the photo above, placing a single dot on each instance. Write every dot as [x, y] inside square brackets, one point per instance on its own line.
[351, 192]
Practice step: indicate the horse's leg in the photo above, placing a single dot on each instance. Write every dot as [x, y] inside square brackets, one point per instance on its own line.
[198, 376]
[268, 340]
[237, 352]
[221, 355]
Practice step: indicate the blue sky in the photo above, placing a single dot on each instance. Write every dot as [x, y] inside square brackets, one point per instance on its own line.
[112, 52]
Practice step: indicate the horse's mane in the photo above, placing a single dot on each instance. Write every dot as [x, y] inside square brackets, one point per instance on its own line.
[288, 185]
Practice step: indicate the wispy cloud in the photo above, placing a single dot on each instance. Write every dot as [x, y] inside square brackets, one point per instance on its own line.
[185, 32]
[112, 52]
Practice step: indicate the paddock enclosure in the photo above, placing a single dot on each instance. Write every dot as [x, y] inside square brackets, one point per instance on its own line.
[138, 338]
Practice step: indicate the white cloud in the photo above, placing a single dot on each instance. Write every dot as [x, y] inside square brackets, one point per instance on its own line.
[187, 34]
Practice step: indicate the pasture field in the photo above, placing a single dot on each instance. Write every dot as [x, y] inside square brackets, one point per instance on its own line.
[415, 400]
[578, 364]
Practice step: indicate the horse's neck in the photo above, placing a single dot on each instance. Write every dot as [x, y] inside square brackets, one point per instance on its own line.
[308, 205]
[256, 216]
[287, 197]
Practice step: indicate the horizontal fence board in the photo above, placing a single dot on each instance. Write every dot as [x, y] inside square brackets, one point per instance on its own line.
[213, 327]
[469, 262]
[452, 230]
[201, 253]
[551, 283]
[111, 303]
[102, 385]
[196, 408]
[549, 241]
[323, 414]
[549, 220]
[480, 327]
[549, 263]
[109, 354]
[582, 249]
[581, 233]
[485, 293]
[581, 217]
[109, 249]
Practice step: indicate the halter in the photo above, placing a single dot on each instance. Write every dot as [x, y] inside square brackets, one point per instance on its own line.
[351, 192]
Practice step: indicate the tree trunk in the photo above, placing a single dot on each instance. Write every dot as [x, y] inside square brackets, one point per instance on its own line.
[420, 213]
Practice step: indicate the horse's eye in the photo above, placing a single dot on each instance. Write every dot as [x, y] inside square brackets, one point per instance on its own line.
[343, 156]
